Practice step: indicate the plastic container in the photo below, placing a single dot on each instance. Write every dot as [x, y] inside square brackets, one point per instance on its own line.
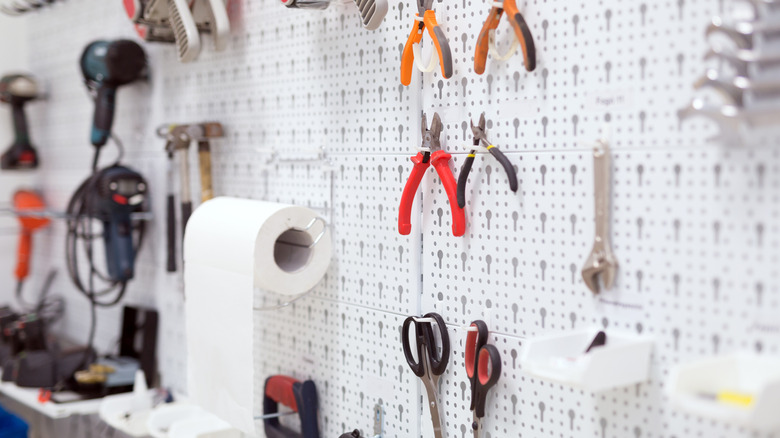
[207, 426]
[163, 417]
[561, 358]
[696, 386]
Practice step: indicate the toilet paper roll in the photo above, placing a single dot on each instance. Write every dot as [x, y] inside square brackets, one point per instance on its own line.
[260, 239]
[231, 247]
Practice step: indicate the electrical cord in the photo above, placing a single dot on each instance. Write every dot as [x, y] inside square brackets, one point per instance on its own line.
[81, 214]
[49, 308]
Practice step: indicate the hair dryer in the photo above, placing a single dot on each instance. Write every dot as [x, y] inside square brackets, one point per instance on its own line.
[106, 65]
[27, 202]
[17, 90]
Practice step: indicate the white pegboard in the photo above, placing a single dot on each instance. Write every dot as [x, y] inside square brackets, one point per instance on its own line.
[694, 224]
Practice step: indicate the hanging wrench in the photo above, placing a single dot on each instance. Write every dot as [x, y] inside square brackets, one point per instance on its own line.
[601, 261]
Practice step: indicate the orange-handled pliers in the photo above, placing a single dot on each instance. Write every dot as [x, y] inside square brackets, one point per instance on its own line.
[426, 19]
[520, 27]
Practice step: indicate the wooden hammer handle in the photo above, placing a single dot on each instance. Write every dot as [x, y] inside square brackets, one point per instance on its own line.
[204, 159]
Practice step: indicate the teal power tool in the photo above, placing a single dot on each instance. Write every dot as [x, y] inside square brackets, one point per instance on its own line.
[17, 90]
[111, 196]
[107, 65]
[117, 193]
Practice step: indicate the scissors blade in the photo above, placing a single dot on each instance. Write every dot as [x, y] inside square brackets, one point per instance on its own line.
[477, 426]
[430, 381]
[433, 405]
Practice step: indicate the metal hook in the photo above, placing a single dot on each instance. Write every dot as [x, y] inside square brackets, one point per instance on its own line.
[305, 229]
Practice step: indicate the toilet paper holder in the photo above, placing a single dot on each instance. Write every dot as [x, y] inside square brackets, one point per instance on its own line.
[281, 240]
[305, 229]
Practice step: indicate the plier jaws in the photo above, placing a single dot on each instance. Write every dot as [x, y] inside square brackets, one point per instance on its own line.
[601, 263]
[480, 140]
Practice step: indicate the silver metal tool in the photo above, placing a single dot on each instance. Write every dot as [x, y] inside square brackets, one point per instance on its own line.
[744, 33]
[727, 117]
[601, 261]
[735, 89]
[372, 12]
[763, 7]
[184, 29]
[731, 119]
[742, 59]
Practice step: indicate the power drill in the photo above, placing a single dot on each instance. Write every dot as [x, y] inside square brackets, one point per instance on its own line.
[117, 192]
[17, 90]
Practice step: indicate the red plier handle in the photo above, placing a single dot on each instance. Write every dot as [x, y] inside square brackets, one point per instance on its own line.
[441, 162]
[421, 164]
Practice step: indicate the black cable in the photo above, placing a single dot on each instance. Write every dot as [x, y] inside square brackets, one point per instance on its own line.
[95, 159]
[121, 148]
[48, 308]
[81, 213]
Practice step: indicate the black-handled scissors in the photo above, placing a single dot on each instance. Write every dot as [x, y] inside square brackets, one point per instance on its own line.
[483, 368]
[430, 364]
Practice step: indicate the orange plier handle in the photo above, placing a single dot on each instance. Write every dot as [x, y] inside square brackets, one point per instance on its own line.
[522, 32]
[439, 40]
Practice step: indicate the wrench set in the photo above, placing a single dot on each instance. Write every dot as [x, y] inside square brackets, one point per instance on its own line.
[745, 80]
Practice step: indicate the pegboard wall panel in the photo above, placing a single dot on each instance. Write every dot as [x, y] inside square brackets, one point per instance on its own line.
[315, 115]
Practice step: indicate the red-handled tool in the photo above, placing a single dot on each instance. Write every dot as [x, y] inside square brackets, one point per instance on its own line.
[431, 153]
[301, 397]
[27, 203]
[483, 368]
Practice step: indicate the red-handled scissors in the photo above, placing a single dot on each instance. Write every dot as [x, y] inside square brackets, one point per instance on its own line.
[483, 368]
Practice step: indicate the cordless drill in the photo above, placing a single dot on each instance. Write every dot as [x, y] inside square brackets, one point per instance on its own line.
[17, 90]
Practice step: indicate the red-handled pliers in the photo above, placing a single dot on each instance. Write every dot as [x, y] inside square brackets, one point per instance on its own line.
[431, 153]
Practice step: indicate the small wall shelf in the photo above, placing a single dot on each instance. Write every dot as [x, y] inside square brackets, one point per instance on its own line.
[738, 388]
[623, 360]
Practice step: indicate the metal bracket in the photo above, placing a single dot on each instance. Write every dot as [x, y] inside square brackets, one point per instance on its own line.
[379, 421]
[307, 228]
